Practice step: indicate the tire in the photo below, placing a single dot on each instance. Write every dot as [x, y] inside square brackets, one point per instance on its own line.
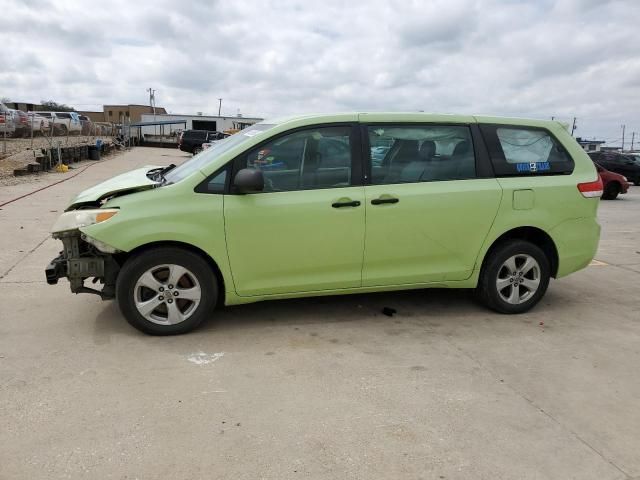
[62, 130]
[163, 313]
[495, 269]
[196, 150]
[611, 191]
[636, 182]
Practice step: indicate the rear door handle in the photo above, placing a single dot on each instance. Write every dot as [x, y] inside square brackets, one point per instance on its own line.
[380, 201]
[354, 203]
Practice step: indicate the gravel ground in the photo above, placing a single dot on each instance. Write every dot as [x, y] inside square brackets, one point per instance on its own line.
[20, 153]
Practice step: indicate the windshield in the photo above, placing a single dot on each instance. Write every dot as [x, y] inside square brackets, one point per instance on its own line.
[209, 155]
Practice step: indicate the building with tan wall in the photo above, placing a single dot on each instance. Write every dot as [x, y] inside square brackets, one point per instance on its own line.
[93, 116]
[122, 113]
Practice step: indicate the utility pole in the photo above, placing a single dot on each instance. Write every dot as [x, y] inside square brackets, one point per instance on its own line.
[219, 106]
[573, 128]
[152, 105]
[633, 136]
[623, 127]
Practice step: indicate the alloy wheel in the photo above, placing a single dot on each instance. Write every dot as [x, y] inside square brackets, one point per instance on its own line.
[167, 294]
[518, 279]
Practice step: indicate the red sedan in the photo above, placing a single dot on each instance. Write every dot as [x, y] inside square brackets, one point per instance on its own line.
[614, 183]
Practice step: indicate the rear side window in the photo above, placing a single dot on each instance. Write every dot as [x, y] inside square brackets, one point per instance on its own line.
[420, 153]
[195, 134]
[517, 150]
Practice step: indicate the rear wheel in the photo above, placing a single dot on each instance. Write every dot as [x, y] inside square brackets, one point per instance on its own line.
[514, 277]
[611, 191]
[197, 150]
[166, 291]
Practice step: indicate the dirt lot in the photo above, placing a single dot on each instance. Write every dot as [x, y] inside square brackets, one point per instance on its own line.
[19, 152]
[321, 388]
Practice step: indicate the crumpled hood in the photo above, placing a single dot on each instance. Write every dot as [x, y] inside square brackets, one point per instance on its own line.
[129, 182]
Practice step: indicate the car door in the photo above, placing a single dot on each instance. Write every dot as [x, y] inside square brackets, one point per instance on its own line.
[305, 231]
[627, 166]
[610, 162]
[428, 208]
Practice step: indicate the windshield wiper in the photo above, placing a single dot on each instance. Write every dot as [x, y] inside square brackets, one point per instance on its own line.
[157, 174]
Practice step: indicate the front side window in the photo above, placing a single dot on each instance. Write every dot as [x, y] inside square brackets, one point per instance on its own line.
[209, 155]
[304, 160]
[518, 151]
[420, 153]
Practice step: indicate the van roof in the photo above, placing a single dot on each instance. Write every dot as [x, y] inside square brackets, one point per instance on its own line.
[407, 117]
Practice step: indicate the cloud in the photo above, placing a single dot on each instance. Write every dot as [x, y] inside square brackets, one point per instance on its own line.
[266, 58]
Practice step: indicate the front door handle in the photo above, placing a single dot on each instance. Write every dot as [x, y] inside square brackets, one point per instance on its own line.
[348, 203]
[380, 201]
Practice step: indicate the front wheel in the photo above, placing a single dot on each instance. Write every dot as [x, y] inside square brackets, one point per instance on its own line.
[166, 291]
[197, 150]
[514, 277]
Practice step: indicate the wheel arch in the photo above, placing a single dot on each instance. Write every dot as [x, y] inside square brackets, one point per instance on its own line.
[123, 257]
[531, 234]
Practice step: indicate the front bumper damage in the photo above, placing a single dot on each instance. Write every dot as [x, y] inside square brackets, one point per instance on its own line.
[79, 261]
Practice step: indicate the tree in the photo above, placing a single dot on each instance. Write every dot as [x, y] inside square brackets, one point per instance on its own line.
[51, 106]
[5, 100]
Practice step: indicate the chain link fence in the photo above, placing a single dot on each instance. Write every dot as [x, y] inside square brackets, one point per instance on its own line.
[45, 130]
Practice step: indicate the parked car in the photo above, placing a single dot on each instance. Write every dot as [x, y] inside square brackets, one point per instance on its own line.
[86, 124]
[191, 140]
[209, 144]
[58, 126]
[635, 156]
[21, 122]
[624, 164]
[493, 204]
[7, 127]
[64, 122]
[613, 183]
[38, 123]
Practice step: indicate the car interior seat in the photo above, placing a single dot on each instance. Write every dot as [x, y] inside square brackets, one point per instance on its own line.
[402, 153]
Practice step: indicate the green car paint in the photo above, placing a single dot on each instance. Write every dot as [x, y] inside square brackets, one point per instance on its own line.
[129, 181]
[294, 244]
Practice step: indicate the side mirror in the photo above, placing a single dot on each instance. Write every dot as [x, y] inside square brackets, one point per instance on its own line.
[249, 180]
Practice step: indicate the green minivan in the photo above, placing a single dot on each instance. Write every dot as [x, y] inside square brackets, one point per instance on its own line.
[335, 204]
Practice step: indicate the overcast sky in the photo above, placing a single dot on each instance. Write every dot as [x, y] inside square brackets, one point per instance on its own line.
[513, 57]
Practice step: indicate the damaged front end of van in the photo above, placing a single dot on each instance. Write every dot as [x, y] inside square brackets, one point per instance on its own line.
[84, 257]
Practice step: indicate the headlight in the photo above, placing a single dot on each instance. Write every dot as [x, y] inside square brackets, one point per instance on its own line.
[625, 178]
[82, 218]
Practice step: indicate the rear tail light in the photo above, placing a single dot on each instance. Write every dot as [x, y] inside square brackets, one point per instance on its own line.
[591, 189]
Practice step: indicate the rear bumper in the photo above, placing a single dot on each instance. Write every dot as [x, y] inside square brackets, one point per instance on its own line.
[577, 243]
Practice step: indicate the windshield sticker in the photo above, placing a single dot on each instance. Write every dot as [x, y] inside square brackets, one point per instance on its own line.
[533, 167]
